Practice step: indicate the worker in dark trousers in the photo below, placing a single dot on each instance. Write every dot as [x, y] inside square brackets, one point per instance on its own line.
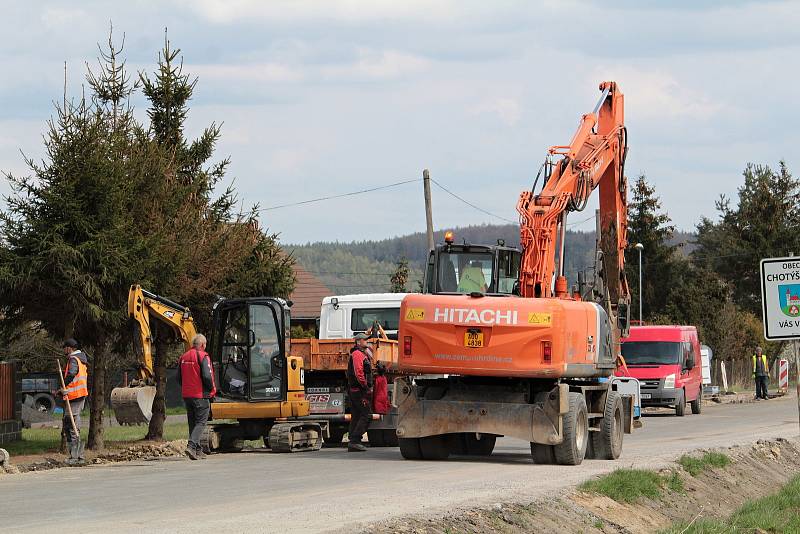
[196, 377]
[359, 390]
[760, 374]
[76, 379]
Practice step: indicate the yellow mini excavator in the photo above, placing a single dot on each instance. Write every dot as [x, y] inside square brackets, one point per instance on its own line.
[260, 391]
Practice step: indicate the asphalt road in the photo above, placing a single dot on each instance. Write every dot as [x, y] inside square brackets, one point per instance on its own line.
[332, 490]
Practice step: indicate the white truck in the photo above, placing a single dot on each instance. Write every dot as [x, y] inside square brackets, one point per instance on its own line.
[342, 317]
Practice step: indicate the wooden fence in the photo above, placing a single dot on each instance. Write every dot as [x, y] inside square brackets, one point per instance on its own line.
[7, 391]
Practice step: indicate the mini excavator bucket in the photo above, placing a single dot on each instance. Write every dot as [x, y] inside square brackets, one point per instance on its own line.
[133, 405]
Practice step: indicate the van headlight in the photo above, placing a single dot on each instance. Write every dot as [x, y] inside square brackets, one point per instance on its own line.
[669, 381]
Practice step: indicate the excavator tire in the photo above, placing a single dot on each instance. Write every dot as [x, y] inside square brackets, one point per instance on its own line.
[409, 448]
[607, 443]
[572, 450]
[543, 454]
[133, 405]
[434, 447]
[295, 437]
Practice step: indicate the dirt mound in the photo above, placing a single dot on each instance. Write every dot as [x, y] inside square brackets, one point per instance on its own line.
[755, 471]
[137, 452]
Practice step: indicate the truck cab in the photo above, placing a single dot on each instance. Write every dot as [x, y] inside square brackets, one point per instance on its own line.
[666, 360]
[344, 316]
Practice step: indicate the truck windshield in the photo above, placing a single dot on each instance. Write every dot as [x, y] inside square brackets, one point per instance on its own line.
[651, 352]
[465, 272]
[362, 319]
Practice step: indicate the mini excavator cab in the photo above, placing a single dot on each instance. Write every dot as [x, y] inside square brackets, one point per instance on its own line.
[249, 345]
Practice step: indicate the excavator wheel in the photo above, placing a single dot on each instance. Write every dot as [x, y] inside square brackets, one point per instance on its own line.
[409, 448]
[295, 437]
[133, 405]
[434, 447]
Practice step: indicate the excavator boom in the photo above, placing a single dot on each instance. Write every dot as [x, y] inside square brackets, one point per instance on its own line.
[134, 404]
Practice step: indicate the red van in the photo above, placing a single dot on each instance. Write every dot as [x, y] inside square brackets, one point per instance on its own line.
[666, 360]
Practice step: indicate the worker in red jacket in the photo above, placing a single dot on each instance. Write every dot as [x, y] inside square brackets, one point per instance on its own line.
[359, 392]
[196, 377]
[380, 391]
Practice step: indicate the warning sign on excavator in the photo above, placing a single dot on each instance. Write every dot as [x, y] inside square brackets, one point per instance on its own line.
[544, 319]
[415, 314]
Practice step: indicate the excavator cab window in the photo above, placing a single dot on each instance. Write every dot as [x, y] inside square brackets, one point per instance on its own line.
[250, 345]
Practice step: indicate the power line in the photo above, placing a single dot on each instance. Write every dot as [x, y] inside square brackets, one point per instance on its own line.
[352, 193]
[470, 204]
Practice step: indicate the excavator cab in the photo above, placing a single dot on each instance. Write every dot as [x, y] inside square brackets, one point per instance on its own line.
[466, 268]
[248, 345]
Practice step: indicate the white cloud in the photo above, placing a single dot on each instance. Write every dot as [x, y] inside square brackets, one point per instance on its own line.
[506, 109]
[656, 93]
[230, 11]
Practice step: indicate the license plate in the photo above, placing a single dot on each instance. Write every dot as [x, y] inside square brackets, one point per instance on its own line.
[645, 395]
[473, 339]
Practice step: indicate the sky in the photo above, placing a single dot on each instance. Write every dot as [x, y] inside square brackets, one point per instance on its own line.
[322, 98]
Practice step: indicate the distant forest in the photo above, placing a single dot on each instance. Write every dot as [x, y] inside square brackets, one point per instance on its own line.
[365, 266]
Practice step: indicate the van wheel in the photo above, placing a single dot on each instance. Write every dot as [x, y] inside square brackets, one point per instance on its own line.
[697, 404]
[607, 444]
[572, 450]
[434, 447]
[680, 404]
[543, 454]
[409, 448]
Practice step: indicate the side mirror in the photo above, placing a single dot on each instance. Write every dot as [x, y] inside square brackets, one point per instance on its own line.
[690, 361]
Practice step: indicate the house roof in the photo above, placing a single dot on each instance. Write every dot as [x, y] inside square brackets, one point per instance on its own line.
[307, 295]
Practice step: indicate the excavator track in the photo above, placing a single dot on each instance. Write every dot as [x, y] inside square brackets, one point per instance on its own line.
[295, 437]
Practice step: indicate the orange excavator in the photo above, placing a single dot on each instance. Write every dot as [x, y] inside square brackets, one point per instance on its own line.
[515, 352]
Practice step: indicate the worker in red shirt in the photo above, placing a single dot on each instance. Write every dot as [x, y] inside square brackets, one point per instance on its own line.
[359, 391]
[196, 377]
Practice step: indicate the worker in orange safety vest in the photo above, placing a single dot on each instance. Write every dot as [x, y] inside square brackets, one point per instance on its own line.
[76, 378]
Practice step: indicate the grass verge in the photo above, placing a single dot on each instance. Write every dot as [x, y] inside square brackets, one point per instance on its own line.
[694, 466]
[40, 440]
[777, 513]
[628, 485]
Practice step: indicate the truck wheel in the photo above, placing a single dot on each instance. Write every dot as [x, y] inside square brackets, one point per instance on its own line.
[409, 448]
[680, 404]
[697, 404]
[390, 437]
[375, 438]
[434, 447]
[479, 447]
[607, 444]
[572, 449]
[335, 438]
[543, 454]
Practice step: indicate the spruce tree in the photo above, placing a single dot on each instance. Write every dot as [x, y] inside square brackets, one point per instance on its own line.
[650, 227]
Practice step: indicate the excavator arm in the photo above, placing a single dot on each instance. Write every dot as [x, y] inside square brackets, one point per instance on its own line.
[144, 306]
[595, 157]
[135, 404]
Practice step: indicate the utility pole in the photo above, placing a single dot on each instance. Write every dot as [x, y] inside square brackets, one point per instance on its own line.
[426, 184]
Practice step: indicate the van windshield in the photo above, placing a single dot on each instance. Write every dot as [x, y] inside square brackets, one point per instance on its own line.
[651, 352]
